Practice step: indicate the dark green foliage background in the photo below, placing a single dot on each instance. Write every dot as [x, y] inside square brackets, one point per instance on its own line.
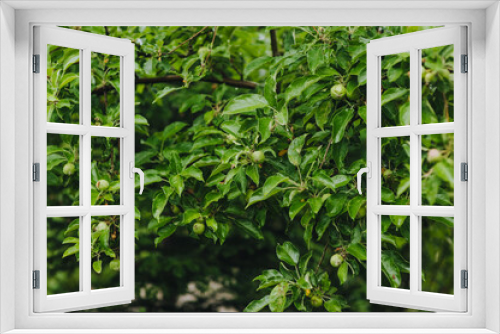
[207, 98]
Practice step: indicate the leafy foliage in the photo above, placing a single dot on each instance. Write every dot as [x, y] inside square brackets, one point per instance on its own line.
[262, 149]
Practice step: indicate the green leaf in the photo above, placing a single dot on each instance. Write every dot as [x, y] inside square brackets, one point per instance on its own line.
[315, 58]
[250, 228]
[323, 113]
[340, 121]
[159, 202]
[304, 261]
[256, 63]
[115, 265]
[55, 159]
[178, 184]
[445, 173]
[70, 58]
[257, 305]
[245, 103]
[71, 250]
[404, 185]
[295, 149]
[335, 204]
[391, 270]
[212, 224]
[167, 231]
[258, 196]
[272, 182]
[268, 278]
[358, 251]
[331, 182]
[67, 78]
[355, 205]
[297, 205]
[387, 195]
[253, 173]
[164, 92]
[265, 128]
[193, 172]
[172, 129]
[277, 298]
[296, 88]
[333, 305]
[204, 142]
[140, 120]
[190, 215]
[97, 266]
[342, 272]
[211, 198]
[392, 94]
[288, 253]
[316, 203]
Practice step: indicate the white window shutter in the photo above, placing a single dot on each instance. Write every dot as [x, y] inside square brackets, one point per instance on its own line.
[86, 296]
[414, 297]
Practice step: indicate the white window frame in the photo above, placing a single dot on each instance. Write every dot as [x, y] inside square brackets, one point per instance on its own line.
[483, 21]
[87, 43]
[414, 297]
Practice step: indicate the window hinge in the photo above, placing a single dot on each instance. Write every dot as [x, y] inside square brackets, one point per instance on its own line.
[465, 64]
[36, 279]
[465, 279]
[36, 63]
[464, 171]
[36, 172]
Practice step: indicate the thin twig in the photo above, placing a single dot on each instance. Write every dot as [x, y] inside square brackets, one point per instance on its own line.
[326, 152]
[322, 258]
[177, 78]
[187, 40]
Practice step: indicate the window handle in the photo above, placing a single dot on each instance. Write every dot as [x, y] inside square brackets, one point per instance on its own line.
[141, 176]
[368, 171]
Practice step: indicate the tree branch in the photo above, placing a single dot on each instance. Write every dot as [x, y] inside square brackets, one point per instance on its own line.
[178, 78]
[274, 43]
[187, 40]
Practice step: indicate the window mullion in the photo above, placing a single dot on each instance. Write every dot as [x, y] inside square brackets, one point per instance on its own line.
[86, 163]
[414, 170]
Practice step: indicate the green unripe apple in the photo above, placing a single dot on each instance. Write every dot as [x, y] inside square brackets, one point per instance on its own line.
[199, 228]
[102, 226]
[336, 260]
[338, 91]
[175, 209]
[258, 157]
[429, 77]
[316, 301]
[69, 168]
[310, 127]
[102, 184]
[434, 155]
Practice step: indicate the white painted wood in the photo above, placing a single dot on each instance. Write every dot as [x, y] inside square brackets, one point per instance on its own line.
[7, 167]
[414, 43]
[492, 163]
[190, 13]
[86, 298]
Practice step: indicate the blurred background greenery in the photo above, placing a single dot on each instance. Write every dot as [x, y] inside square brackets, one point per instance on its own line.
[184, 78]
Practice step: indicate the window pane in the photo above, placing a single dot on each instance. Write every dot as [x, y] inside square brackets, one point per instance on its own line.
[437, 84]
[105, 252]
[105, 89]
[105, 171]
[63, 170]
[437, 254]
[437, 169]
[63, 243]
[395, 163]
[63, 84]
[395, 100]
[395, 251]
